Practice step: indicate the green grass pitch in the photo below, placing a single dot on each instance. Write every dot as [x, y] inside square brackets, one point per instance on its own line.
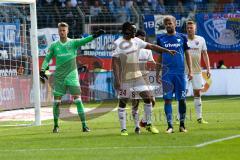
[105, 143]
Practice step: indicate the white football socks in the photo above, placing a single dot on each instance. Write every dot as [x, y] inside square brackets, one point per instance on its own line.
[148, 112]
[122, 117]
[135, 117]
[198, 106]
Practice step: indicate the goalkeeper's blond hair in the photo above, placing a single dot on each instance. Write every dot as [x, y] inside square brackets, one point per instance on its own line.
[63, 24]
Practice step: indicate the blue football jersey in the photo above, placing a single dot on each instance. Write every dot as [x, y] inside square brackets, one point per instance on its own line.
[178, 42]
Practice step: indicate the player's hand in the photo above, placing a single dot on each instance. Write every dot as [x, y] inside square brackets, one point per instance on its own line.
[158, 79]
[117, 86]
[153, 101]
[208, 73]
[190, 76]
[99, 33]
[43, 76]
[172, 52]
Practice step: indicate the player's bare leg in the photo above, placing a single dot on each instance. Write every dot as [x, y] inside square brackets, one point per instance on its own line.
[135, 104]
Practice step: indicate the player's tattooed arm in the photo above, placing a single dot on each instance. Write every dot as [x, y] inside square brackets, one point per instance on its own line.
[159, 69]
[159, 49]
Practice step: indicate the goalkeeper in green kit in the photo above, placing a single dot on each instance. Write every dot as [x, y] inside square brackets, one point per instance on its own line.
[66, 74]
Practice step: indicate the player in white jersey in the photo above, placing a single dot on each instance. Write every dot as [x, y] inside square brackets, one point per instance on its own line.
[128, 79]
[145, 56]
[198, 47]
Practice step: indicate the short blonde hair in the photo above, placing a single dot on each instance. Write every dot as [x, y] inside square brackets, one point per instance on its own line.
[190, 22]
[62, 24]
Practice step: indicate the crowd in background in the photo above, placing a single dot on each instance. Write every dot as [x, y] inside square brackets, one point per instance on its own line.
[111, 11]
[96, 7]
[50, 12]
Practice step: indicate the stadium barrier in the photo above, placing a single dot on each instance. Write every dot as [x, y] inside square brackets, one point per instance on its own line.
[224, 82]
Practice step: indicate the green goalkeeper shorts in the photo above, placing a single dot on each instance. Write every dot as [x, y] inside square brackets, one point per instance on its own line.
[59, 91]
[72, 86]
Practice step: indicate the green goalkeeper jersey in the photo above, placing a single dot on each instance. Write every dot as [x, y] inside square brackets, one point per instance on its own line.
[65, 53]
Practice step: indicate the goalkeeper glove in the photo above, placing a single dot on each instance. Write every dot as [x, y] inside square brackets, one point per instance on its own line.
[99, 33]
[43, 76]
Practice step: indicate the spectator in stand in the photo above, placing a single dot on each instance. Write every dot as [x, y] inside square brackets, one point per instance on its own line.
[49, 2]
[145, 7]
[68, 16]
[152, 4]
[103, 2]
[117, 3]
[129, 5]
[74, 3]
[61, 3]
[201, 4]
[20, 70]
[186, 6]
[139, 2]
[221, 65]
[85, 7]
[49, 9]
[231, 7]
[39, 3]
[160, 8]
[4, 17]
[169, 4]
[111, 7]
[122, 12]
[96, 9]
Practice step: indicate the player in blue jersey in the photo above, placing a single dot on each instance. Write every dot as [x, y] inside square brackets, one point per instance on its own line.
[173, 76]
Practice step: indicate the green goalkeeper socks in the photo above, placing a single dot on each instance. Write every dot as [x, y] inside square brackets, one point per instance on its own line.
[56, 113]
[81, 114]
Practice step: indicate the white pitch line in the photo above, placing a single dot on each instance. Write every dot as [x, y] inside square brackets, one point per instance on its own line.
[211, 100]
[124, 147]
[217, 140]
[215, 100]
[93, 148]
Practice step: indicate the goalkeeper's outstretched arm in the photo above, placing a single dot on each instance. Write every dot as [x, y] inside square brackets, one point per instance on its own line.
[83, 41]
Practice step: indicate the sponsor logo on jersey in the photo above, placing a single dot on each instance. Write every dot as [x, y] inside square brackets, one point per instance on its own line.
[143, 59]
[131, 52]
[194, 49]
[176, 45]
[63, 54]
[197, 43]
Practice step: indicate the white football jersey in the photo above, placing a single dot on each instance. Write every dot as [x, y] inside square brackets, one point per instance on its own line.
[197, 45]
[128, 52]
[145, 56]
